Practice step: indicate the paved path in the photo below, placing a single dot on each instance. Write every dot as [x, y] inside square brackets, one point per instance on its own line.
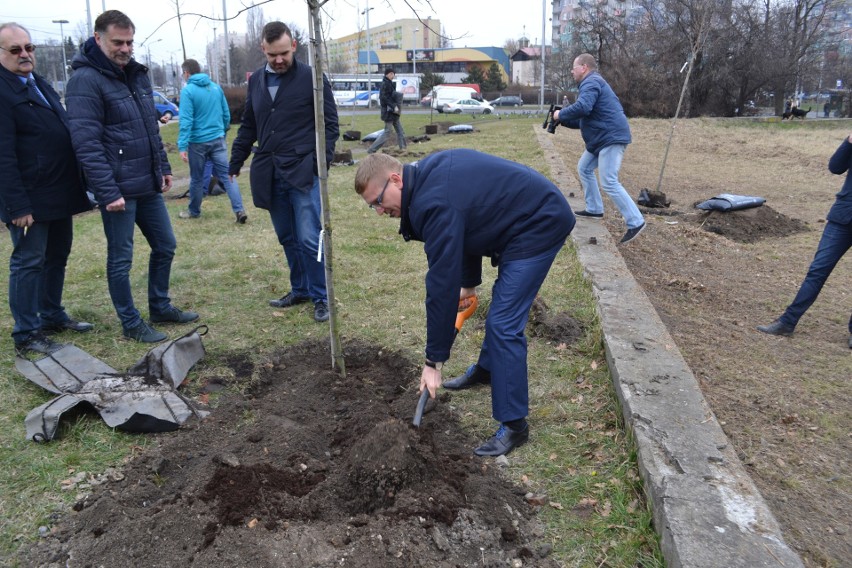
[707, 510]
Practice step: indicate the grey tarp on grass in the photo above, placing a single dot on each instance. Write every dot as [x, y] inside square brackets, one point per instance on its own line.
[144, 399]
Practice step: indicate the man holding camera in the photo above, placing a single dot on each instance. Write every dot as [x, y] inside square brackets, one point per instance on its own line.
[600, 117]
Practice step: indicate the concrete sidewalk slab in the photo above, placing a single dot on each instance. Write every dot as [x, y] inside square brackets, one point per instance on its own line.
[707, 510]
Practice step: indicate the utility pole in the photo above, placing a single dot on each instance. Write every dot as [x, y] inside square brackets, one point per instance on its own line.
[369, 55]
[64, 59]
[227, 44]
[414, 52]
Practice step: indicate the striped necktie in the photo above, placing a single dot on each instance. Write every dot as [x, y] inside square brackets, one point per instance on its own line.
[32, 85]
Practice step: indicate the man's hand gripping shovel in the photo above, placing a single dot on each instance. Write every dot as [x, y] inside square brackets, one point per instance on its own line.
[467, 306]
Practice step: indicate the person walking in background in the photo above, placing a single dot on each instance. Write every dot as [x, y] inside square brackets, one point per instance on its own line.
[600, 117]
[204, 120]
[465, 205]
[391, 108]
[42, 189]
[116, 136]
[835, 242]
[279, 116]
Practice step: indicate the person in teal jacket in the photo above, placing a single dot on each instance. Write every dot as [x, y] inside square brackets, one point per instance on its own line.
[204, 119]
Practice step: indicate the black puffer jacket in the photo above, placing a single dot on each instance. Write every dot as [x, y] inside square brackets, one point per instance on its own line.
[114, 127]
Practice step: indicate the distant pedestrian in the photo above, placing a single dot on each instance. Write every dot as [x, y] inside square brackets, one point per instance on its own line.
[826, 109]
[390, 111]
[204, 120]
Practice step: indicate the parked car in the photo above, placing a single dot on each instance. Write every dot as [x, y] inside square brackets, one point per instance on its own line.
[469, 106]
[511, 101]
[166, 109]
[426, 101]
[361, 99]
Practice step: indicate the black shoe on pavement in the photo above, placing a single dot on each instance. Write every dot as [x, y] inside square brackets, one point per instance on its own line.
[241, 217]
[38, 343]
[69, 324]
[475, 375]
[632, 233]
[585, 213]
[288, 300]
[777, 328]
[144, 333]
[504, 441]
[850, 341]
[321, 311]
[173, 315]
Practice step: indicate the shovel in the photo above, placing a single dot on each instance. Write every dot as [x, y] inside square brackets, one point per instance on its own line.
[421, 404]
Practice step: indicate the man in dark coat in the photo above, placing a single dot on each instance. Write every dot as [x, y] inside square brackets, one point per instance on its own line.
[279, 116]
[42, 189]
[835, 242]
[464, 205]
[390, 111]
[117, 138]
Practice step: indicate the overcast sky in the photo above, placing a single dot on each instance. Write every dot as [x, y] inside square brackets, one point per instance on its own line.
[482, 23]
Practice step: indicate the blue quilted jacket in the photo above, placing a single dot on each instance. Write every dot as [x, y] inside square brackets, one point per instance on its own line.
[114, 127]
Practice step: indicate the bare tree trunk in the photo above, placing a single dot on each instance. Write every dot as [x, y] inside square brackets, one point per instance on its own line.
[315, 32]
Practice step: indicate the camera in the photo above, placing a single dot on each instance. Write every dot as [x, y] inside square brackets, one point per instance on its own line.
[549, 123]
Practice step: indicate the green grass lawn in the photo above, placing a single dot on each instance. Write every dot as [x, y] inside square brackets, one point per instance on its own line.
[580, 457]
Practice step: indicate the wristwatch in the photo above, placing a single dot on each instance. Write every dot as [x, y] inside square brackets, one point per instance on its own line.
[434, 365]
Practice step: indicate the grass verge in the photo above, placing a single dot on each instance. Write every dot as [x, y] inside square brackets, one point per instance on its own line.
[580, 460]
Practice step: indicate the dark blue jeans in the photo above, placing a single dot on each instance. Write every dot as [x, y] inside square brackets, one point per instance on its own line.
[504, 350]
[37, 275]
[296, 217]
[150, 215]
[200, 154]
[836, 240]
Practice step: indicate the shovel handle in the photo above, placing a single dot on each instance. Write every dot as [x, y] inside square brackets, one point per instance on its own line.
[421, 404]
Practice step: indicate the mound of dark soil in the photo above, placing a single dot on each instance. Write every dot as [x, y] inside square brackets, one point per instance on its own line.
[743, 226]
[306, 469]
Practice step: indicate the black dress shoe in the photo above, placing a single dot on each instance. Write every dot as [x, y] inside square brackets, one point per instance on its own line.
[72, 325]
[38, 343]
[288, 300]
[850, 341]
[503, 441]
[777, 328]
[585, 213]
[475, 375]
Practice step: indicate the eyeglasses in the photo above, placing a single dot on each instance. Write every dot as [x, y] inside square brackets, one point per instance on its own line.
[378, 201]
[17, 49]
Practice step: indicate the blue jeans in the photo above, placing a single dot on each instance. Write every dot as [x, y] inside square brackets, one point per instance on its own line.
[386, 133]
[836, 240]
[608, 163]
[216, 152]
[150, 214]
[37, 275]
[504, 350]
[296, 217]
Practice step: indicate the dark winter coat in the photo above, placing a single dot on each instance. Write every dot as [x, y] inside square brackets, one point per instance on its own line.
[465, 205]
[284, 131]
[114, 127]
[841, 163]
[386, 92]
[598, 114]
[40, 170]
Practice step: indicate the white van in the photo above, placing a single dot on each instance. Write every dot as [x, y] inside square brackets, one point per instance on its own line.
[443, 94]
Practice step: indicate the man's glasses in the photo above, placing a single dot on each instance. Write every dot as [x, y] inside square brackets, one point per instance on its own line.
[17, 49]
[378, 201]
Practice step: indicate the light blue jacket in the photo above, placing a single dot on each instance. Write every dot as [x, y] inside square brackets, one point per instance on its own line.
[204, 114]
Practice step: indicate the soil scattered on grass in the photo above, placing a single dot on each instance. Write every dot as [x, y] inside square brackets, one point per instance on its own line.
[307, 469]
[559, 327]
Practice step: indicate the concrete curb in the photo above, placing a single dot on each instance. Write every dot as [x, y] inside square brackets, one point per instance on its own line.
[707, 510]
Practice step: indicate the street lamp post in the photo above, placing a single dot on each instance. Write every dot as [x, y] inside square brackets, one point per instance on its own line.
[414, 52]
[369, 54]
[64, 60]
